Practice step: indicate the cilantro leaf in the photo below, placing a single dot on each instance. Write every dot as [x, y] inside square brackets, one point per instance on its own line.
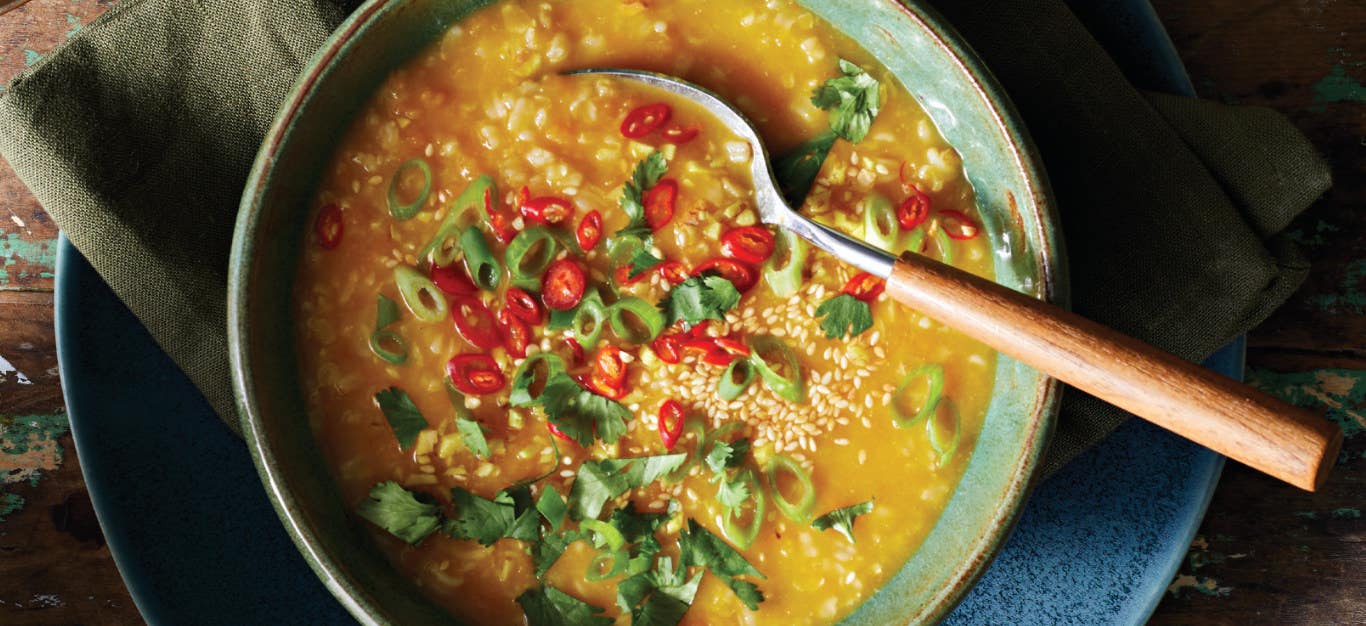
[549, 606]
[797, 170]
[636, 527]
[579, 413]
[642, 262]
[527, 524]
[842, 520]
[699, 547]
[480, 519]
[552, 507]
[646, 175]
[725, 455]
[473, 436]
[403, 415]
[732, 494]
[400, 512]
[600, 481]
[669, 594]
[852, 100]
[699, 298]
[844, 315]
[549, 549]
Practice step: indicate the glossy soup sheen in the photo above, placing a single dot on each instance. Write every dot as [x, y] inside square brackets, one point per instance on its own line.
[487, 99]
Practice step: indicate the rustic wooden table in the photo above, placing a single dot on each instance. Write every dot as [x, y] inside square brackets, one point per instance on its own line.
[1266, 553]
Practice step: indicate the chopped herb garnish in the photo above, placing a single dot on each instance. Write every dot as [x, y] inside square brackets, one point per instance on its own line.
[659, 597]
[400, 512]
[600, 481]
[796, 171]
[646, 175]
[404, 417]
[549, 549]
[552, 507]
[549, 606]
[842, 520]
[844, 315]
[386, 312]
[480, 519]
[699, 298]
[473, 436]
[642, 262]
[725, 455]
[698, 546]
[581, 414]
[851, 99]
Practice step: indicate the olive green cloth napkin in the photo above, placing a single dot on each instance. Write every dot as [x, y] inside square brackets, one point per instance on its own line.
[137, 136]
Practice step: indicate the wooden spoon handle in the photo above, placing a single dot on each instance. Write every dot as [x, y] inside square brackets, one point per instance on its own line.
[1242, 423]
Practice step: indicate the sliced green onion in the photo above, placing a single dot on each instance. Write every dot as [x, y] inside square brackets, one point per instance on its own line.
[783, 270]
[386, 312]
[464, 212]
[693, 426]
[648, 314]
[599, 571]
[917, 395]
[526, 261]
[621, 254]
[482, 266]
[420, 294]
[799, 511]
[915, 242]
[944, 444]
[604, 535]
[789, 388]
[880, 227]
[589, 319]
[524, 378]
[728, 387]
[381, 338]
[743, 535]
[402, 211]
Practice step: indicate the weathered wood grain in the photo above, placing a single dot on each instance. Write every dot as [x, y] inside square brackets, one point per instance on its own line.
[29, 381]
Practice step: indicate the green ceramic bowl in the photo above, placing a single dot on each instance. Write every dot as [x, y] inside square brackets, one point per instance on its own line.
[914, 43]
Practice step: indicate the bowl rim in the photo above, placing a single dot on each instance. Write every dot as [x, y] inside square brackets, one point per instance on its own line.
[1049, 258]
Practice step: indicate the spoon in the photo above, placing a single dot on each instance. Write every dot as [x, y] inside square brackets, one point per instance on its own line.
[1295, 445]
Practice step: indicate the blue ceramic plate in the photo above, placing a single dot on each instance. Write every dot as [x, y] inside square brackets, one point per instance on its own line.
[197, 541]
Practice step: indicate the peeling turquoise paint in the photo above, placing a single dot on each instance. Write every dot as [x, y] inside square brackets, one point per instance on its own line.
[1351, 294]
[1316, 238]
[31, 57]
[40, 257]
[73, 24]
[1307, 514]
[29, 446]
[1341, 391]
[1337, 86]
[10, 503]
[1346, 513]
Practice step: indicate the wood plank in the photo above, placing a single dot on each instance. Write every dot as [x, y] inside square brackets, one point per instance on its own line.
[29, 380]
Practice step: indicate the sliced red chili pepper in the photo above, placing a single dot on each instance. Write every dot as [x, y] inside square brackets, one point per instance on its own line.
[739, 274]
[958, 226]
[516, 333]
[523, 306]
[699, 329]
[329, 226]
[680, 134]
[550, 210]
[668, 348]
[575, 350]
[643, 120]
[914, 209]
[608, 378]
[732, 346]
[555, 430]
[563, 284]
[498, 221]
[865, 287]
[453, 280]
[474, 322]
[476, 374]
[671, 416]
[623, 277]
[590, 231]
[751, 244]
[717, 356]
[659, 203]
[673, 272]
[904, 174]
